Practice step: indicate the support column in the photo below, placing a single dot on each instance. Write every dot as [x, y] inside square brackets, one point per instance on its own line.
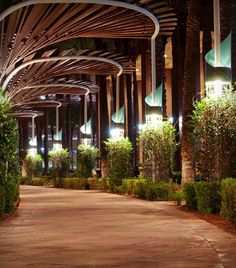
[46, 140]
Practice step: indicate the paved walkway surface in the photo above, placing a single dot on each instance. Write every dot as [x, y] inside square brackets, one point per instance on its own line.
[66, 228]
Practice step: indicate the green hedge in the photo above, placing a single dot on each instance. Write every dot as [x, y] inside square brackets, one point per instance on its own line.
[208, 197]
[146, 189]
[190, 196]
[203, 196]
[9, 194]
[228, 195]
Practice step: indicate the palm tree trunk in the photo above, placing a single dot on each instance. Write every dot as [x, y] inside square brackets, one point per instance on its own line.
[190, 74]
[225, 18]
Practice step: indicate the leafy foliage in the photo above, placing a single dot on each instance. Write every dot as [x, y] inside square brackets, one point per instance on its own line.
[60, 160]
[214, 137]
[87, 156]
[159, 145]
[146, 189]
[118, 157]
[190, 196]
[228, 195]
[208, 197]
[33, 165]
[9, 160]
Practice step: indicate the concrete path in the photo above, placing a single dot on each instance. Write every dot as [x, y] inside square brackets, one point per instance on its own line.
[66, 228]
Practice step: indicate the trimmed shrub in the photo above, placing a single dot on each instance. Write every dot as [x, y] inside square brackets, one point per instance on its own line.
[140, 188]
[72, 183]
[118, 157]
[24, 180]
[213, 136]
[179, 197]
[208, 197]
[60, 160]
[190, 196]
[11, 193]
[93, 184]
[159, 144]
[2, 201]
[228, 195]
[128, 186]
[33, 165]
[87, 156]
[146, 189]
[38, 182]
[155, 191]
[103, 184]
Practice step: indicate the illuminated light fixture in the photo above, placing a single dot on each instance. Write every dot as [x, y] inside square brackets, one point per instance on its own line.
[215, 89]
[154, 116]
[33, 143]
[57, 146]
[32, 151]
[117, 133]
[165, 56]
[171, 119]
[86, 141]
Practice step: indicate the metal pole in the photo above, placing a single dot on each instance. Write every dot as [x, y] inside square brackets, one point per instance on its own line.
[117, 98]
[217, 32]
[85, 114]
[33, 130]
[57, 122]
[153, 59]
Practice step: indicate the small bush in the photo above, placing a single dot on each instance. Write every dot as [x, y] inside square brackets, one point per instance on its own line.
[87, 156]
[228, 194]
[179, 197]
[118, 157]
[190, 196]
[60, 160]
[156, 191]
[129, 186]
[38, 182]
[58, 182]
[2, 201]
[75, 184]
[140, 188]
[93, 184]
[33, 165]
[11, 193]
[208, 197]
[24, 180]
[103, 184]
[146, 189]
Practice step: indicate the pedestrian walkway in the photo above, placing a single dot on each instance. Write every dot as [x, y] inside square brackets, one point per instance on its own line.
[66, 228]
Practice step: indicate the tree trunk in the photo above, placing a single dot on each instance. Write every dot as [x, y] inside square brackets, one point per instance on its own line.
[225, 18]
[178, 55]
[190, 74]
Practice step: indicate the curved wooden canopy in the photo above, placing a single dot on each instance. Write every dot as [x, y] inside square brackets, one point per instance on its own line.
[60, 86]
[68, 63]
[28, 114]
[30, 26]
